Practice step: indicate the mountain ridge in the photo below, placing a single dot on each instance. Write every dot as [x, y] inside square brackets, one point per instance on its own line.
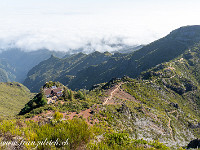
[149, 56]
[62, 70]
[118, 65]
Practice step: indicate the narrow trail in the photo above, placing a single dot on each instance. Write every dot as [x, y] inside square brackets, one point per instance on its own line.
[172, 76]
[169, 124]
[111, 94]
[170, 128]
[160, 78]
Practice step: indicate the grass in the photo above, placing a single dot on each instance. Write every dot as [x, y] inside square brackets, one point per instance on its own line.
[13, 97]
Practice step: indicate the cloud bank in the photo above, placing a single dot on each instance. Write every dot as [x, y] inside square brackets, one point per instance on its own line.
[88, 25]
[67, 32]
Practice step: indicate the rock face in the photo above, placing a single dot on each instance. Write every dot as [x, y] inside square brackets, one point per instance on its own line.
[194, 144]
[125, 110]
[174, 105]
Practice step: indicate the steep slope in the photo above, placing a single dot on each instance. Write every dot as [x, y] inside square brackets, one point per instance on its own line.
[62, 70]
[149, 56]
[13, 96]
[16, 63]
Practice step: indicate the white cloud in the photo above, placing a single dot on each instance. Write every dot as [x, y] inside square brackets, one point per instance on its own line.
[65, 25]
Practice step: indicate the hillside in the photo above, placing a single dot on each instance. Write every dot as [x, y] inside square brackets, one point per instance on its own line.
[62, 70]
[162, 104]
[16, 63]
[103, 111]
[117, 65]
[13, 97]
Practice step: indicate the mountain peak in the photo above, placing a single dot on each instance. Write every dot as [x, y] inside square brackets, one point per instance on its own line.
[52, 56]
[186, 33]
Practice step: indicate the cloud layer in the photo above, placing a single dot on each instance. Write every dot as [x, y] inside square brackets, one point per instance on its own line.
[68, 26]
[66, 32]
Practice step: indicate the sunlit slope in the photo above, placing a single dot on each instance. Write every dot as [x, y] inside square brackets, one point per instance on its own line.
[13, 97]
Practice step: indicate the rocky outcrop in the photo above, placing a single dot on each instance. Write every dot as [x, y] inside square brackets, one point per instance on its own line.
[194, 144]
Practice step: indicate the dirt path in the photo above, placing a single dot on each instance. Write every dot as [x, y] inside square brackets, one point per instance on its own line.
[112, 93]
[169, 124]
[117, 95]
[172, 76]
[170, 128]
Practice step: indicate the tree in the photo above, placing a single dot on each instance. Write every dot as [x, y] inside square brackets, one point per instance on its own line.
[42, 100]
[80, 95]
[71, 95]
[65, 93]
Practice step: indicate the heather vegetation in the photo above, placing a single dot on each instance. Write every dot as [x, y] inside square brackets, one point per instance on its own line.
[70, 134]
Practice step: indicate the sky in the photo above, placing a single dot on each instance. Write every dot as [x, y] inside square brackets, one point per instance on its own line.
[67, 25]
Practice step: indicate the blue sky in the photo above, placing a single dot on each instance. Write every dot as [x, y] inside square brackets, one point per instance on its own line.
[71, 24]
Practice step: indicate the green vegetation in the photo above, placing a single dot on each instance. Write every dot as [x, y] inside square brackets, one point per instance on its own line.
[38, 101]
[6, 71]
[122, 141]
[70, 134]
[13, 97]
[51, 83]
[58, 116]
[72, 101]
[166, 99]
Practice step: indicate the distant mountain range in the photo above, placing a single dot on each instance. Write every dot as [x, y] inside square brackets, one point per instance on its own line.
[15, 63]
[63, 70]
[83, 71]
[133, 64]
